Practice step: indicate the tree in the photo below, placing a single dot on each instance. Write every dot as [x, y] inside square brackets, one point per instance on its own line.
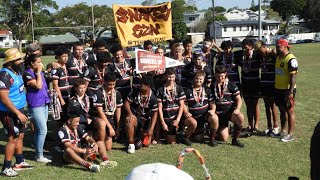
[80, 15]
[271, 14]
[287, 8]
[311, 14]
[218, 9]
[16, 15]
[253, 4]
[179, 27]
[148, 3]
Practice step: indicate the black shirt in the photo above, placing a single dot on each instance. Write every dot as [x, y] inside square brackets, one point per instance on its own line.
[75, 137]
[198, 102]
[63, 81]
[170, 102]
[232, 68]
[109, 103]
[225, 96]
[142, 107]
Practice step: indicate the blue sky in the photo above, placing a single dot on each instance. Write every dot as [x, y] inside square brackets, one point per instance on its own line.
[201, 4]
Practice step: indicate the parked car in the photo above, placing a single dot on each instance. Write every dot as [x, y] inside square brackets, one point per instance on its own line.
[2, 55]
[305, 41]
[236, 43]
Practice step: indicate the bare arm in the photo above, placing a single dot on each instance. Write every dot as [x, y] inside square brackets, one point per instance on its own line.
[56, 87]
[127, 108]
[293, 79]
[36, 83]
[154, 118]
[74, 148]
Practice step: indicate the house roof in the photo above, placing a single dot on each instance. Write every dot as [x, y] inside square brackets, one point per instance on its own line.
[58, 39]
[247, 22]
[4, 32]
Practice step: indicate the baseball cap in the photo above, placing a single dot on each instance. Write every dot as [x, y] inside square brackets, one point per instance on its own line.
[33, 47]
[157, 171]
[283, 42]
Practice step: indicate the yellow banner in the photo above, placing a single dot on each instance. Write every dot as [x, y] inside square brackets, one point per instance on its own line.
[136, 24]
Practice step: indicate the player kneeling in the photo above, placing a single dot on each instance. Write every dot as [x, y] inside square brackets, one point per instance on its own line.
[226, 96]
[200, 107]
[72, 137]
[142, 111]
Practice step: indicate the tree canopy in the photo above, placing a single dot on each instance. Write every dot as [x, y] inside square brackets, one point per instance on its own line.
[311, 14]
[16, 14]
[179, 27]
[287, 8]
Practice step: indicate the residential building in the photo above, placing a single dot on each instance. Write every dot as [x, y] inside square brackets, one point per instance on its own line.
[6, 39]
[192, 18]
[238, 15]
[242, 29]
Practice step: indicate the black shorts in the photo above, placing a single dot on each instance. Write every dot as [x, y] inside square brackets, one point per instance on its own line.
[11, 123]
[224, 119]
[201, 121]
[143, 124]
[267, 92]
[280, 97]
[110, 119]
[251, 89]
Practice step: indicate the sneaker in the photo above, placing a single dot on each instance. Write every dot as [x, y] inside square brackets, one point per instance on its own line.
[268, 131]
[94, 168]
[108, 164]
[287, 138]
[22, 166]
[275, 130]
[154, 142]
[43, 159]
[9, 172]
[213, 143]
[131, 148]
[187, 141]
[237, 143]
[278, 135]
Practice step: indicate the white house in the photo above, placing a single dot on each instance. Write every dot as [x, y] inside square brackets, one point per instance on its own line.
[6, 39]
[192, 18]
[242, 29]
[238, 15]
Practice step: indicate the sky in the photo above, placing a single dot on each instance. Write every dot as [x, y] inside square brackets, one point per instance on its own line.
[201, 4]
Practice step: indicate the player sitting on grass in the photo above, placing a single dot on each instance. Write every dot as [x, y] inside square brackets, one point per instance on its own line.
[72, 137]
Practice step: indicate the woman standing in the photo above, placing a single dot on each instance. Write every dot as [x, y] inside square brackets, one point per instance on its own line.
[38, 100]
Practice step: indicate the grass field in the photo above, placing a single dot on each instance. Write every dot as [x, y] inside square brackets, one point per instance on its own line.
[262, 158]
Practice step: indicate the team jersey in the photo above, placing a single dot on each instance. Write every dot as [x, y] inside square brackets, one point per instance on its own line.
[142, 107]
[84, 102]
[267, 64]
[229, 63]
[208, 57]
[95, 78]
[124, 73]
[12, 82]
[170, 101]
[108, 102]
[224, 96]
[61, 75]
[76, 68]
[189, 73]
[284, 68]
[198, 101]
[65, 134]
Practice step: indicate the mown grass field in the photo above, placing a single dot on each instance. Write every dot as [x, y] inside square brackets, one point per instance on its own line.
[262, 158]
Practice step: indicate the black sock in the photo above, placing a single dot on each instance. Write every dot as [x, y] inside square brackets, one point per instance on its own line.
[6, 164]
[19, 158]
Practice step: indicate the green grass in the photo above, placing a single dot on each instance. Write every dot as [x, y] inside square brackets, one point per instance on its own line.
[262, 158]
